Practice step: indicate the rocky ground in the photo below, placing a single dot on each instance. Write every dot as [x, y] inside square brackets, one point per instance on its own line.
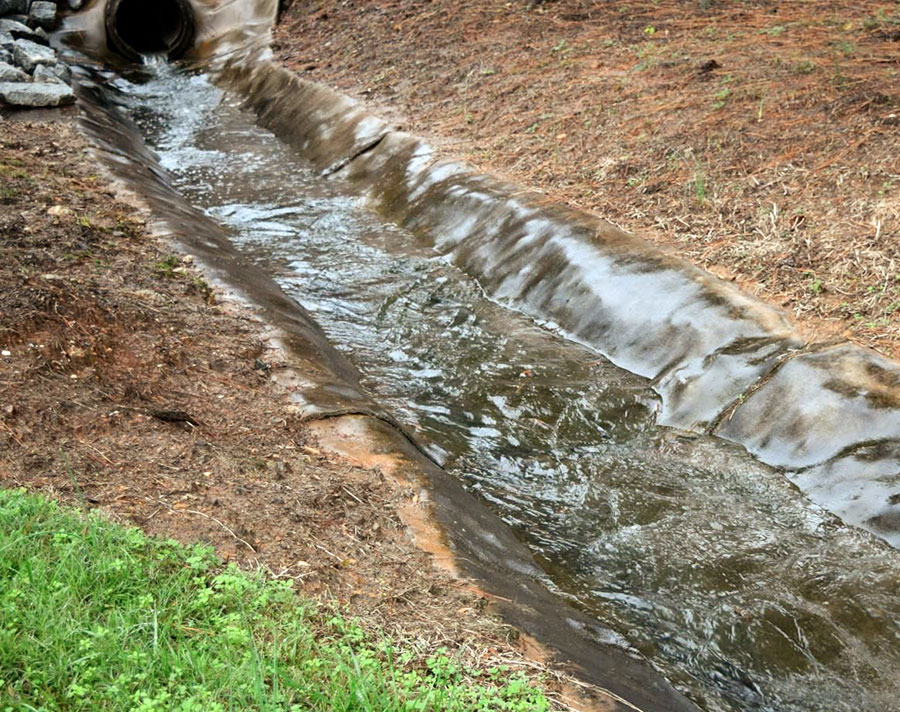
[31, 74]
[756, 138]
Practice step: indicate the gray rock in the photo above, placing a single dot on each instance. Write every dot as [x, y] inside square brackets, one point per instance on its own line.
[29, 55]
[21, 19]
[6, 56]
[6, 40]
[45, 74]
[43, 14]
[36, 95]
[61, 70]
[20, 31]
[8, 73]
[13, 7]
[75, 5]
[7, 24]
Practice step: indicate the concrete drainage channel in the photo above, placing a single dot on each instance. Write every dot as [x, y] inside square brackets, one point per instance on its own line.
[722, 364]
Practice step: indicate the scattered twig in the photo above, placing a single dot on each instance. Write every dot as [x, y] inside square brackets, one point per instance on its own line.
[12, 434]
[334, 556]
[206, 516]
[221, 524]
[101, 454]
[352, 495]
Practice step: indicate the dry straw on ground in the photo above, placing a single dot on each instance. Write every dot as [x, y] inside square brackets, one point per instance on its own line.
[757, 138]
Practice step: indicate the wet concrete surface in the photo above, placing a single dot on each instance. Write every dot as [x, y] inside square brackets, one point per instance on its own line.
[673, 546]
[484, 547]
[709, 349]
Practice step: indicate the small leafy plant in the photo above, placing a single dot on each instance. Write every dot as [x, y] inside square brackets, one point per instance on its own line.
[166, 267]
[96, 616]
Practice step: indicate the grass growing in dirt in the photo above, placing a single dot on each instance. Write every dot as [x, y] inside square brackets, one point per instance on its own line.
[94, 615]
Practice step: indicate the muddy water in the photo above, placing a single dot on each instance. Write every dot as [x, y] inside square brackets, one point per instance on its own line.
[715, 568]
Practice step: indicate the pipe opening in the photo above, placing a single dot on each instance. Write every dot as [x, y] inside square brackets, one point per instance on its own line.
[139, 28]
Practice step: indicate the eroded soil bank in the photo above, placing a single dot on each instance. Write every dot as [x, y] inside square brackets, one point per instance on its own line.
[129, 385]
[755, 138]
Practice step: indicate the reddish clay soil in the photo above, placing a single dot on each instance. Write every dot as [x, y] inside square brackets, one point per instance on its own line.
[126, 386]
[757, 138]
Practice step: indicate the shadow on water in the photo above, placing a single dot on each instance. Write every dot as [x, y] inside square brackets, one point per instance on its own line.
[713, 566]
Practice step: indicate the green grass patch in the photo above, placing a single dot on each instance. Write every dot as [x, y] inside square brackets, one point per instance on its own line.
[97, 616]
[166, 267]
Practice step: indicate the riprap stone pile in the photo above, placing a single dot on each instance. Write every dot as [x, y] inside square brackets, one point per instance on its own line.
[31, 72]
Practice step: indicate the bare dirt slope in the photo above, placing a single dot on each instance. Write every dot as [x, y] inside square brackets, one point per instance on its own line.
[757, 138]
[125, 385]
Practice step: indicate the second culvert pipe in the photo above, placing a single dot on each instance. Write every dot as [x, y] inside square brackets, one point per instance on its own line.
[140, 28]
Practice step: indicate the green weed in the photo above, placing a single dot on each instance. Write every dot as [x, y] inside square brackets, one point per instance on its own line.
[848, 49]
[166, 267]
[200, 286]
[96, 616]
[650, 55]
[700, 187]
[721, 98]
[872, 22]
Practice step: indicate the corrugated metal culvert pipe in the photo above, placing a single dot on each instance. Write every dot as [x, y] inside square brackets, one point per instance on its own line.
[138, 28]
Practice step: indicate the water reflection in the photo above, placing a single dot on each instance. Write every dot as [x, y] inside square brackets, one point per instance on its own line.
[745, 595]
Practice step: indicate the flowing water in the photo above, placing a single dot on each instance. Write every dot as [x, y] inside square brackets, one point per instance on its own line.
[714, 567]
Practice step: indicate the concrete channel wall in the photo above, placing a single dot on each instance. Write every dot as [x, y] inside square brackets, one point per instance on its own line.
[721, 361]
[324, 386]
